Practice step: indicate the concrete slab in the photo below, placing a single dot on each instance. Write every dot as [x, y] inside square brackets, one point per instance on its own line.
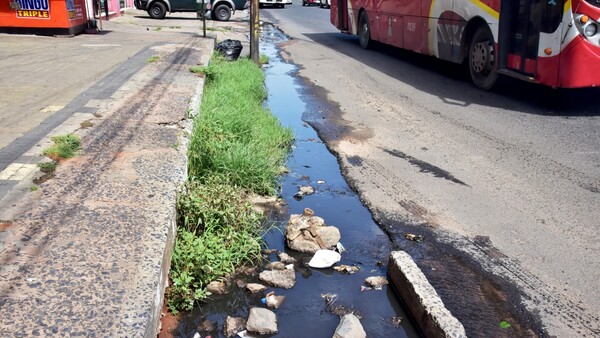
[421, 299]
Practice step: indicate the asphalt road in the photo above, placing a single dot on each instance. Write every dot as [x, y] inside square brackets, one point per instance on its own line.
[506, 183]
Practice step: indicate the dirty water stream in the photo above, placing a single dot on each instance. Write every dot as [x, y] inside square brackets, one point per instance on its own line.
[304, 312]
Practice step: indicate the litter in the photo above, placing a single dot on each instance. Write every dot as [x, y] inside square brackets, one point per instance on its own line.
[414, 238]
[396, 321]
[340, 310]
[376, 281]
[273, 301]
[324, 259]
[340, 248]
[367, 288]
[290, 266]
[246, 334]
[346, 268]
[230, 49]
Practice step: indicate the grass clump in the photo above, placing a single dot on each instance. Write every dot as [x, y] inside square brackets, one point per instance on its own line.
[204, 70]
[153, 58]
[218, 230]
[65, 146]
[235, 135]
[237, 148]
[263, 59]
[47, 167]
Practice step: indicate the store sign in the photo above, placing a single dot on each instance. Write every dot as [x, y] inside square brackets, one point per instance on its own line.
[33, 9]
[74, 12]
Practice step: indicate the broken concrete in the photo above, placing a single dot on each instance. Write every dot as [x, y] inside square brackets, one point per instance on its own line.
[255, 287]
[308, 233]
[285, 279]
[262, 321]
[421, 299]
[349, 327]
[233, 325]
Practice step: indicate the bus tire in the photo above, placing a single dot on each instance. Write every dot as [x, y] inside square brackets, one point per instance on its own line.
[364, 31]
[157, 10]
[482, 59]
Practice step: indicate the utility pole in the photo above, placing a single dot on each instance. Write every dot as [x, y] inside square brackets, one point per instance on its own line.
[254, 31]
[99, 12]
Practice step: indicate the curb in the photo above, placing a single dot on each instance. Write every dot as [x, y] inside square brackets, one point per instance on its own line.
[421, 299]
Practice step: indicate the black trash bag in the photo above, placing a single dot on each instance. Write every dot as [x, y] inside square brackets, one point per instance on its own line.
[230, 49]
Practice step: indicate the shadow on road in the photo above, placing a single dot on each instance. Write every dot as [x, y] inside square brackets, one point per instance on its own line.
[451, 83]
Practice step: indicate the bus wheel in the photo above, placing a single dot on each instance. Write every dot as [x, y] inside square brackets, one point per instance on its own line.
[482, 59]
[364, 31]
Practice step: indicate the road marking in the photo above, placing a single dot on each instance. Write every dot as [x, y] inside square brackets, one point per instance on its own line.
[103, 45]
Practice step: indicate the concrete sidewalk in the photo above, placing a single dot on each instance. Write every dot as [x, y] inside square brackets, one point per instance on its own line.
[88, 253]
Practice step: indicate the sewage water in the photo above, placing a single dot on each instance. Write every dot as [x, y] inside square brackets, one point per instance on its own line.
[304, 312]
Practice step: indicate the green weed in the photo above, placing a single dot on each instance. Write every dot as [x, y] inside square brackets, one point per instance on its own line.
[263, 59]
[204, 70]
[216, 29]
[65, 146]
[236, 147]
[33, 188]
[47, 167]
[234, 135]
[218, 230]
[153, 58]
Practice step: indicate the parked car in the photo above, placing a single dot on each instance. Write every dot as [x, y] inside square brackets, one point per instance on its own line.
[310, 2]
[221, 10]
[325, 3]
[275, 3]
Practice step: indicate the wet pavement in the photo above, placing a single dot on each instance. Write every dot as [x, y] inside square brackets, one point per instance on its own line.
[304, 312]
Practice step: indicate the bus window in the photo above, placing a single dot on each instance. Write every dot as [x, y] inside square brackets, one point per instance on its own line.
[552, 15]
[593, 2]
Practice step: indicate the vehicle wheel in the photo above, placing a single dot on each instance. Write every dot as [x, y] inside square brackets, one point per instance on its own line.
[282, 5]
[364, 31]
[303, 2]
[321, 5]
[222, 12]
[157, 10]
[482, 59]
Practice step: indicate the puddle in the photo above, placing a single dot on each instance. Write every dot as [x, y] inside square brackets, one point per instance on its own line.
[304, 313]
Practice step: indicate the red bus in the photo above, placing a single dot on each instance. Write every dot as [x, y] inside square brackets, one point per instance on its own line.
[552, 42]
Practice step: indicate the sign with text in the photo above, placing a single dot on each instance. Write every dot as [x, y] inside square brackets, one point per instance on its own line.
[33, 9]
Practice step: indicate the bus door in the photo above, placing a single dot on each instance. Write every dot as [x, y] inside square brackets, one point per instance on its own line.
[339, 14]
[521, 22]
